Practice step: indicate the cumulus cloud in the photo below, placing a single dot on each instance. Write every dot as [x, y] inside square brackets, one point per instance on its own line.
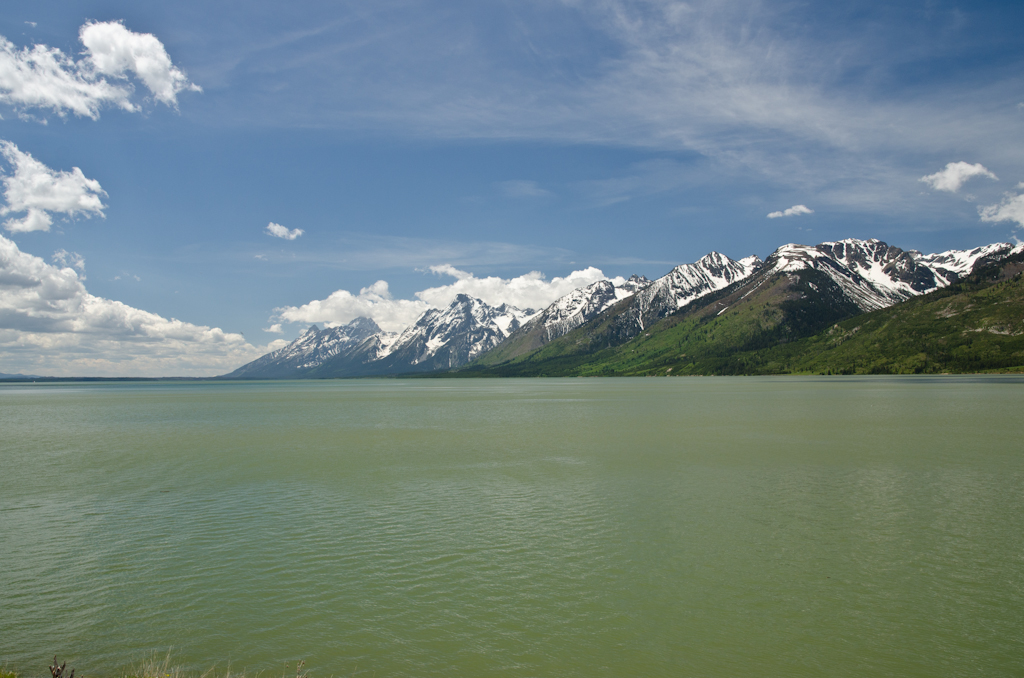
[375, 302]
[50, 323]
[116, 51]
[1010, 209]
[44, 77]
[274, 329]
[38, 191]
[279, 231]
[531, 290]
[793, 211]
[956, 175]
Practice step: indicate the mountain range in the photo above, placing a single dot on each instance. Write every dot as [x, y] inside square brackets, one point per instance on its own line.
[747, 304]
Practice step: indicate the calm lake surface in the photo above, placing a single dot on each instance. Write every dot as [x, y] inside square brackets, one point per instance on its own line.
[598, 527]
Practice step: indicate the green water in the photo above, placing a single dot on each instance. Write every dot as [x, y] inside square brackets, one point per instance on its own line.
[627, 527]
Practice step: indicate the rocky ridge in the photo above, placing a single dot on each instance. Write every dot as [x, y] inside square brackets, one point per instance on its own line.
[875, 275]
[864, 275]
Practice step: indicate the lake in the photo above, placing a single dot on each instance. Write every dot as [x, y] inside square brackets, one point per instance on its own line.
[545, 527]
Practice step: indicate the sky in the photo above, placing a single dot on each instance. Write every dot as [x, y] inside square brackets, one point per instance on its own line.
[188, 185]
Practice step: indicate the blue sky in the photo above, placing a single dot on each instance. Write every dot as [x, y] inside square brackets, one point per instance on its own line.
[495, 138]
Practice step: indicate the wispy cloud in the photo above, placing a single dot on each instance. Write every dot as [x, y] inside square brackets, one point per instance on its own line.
[279, 231]
[44, 77]
[955, 175]
[39, 191]
[649, 177]
[72, 259]
[761, 89]
[521, 188]
[794, 211]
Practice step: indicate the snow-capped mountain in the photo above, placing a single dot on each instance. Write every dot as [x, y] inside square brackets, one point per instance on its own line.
[688, 282]
[452, 336]
[648, 302]
[867, 275]
[569, 312]
[439, 339]
[566, 314]
[313, 348]
[874, 275]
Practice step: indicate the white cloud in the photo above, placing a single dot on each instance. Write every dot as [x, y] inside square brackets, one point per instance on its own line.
[956, 175]
[448, 269]
[37, 190]
[1010, 209]
[375, 302]
[526, 291]
[520, 188]
[274, 329]
[114, 50]
[50, 324]
[44, 77]
[795, 210]
[279, 231]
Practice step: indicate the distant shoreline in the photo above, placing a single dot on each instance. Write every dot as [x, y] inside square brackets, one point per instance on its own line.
[457, 375]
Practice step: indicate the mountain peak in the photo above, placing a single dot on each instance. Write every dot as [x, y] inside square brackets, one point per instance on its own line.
[712, 257]
[874, 274]
[364, 324]
[867, 274]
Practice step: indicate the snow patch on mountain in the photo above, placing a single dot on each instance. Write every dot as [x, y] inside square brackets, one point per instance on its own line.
[870, 273]
[875, 275]
[689, 282]
[465, 329]
[313, 348]
[572, 310]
